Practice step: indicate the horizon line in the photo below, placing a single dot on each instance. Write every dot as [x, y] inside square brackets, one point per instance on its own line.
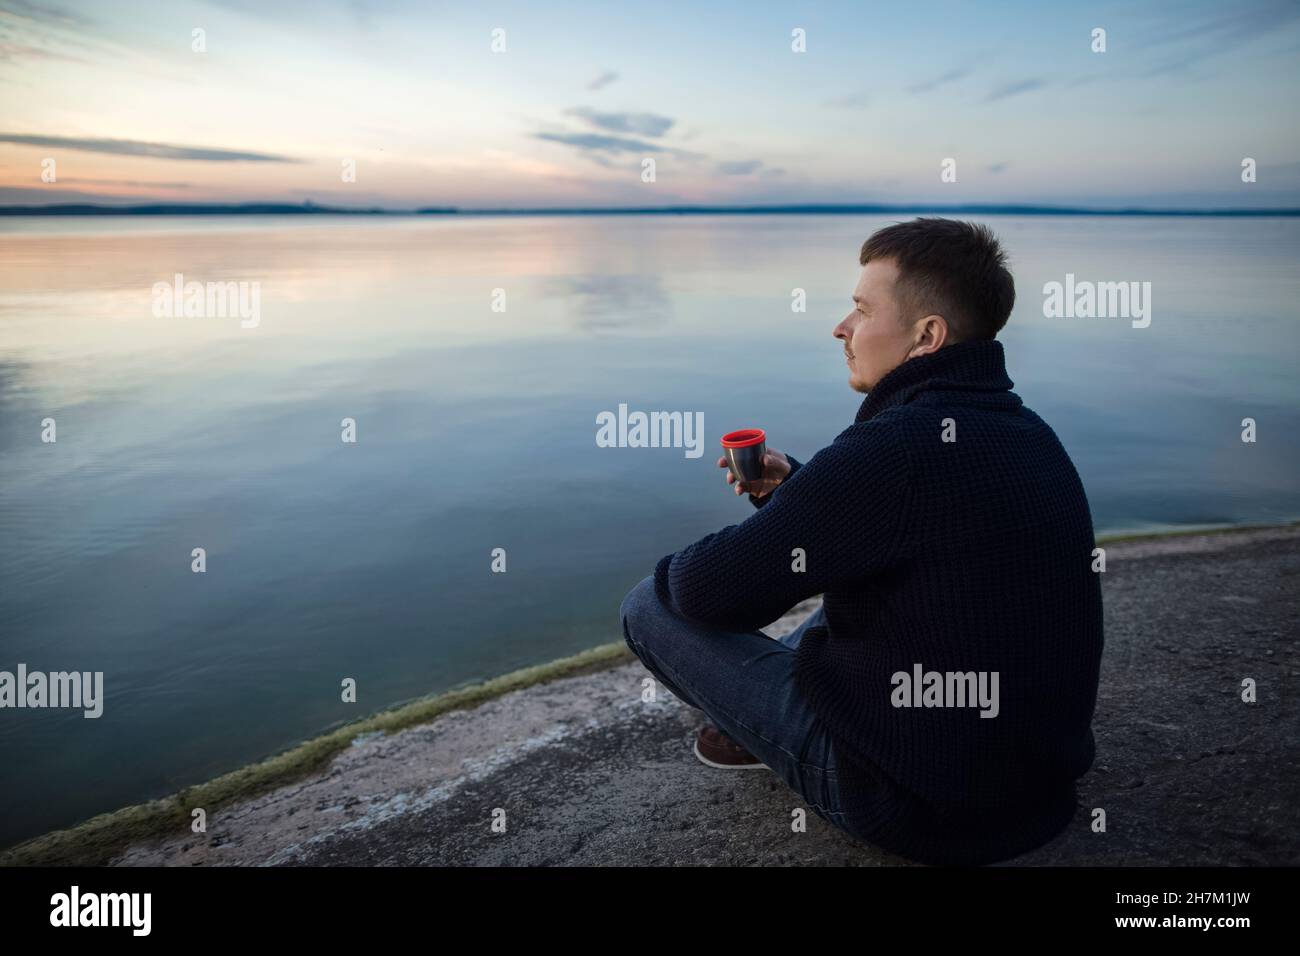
[310, 208]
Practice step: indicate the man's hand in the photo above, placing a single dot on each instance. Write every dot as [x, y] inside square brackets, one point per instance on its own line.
[776, 467]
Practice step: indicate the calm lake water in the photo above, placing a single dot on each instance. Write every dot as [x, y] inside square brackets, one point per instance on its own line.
[476, 430]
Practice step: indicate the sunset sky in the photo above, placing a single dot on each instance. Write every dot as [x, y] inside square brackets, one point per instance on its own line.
[285, 91]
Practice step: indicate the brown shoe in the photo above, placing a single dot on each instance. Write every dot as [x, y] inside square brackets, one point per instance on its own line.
[716, 749]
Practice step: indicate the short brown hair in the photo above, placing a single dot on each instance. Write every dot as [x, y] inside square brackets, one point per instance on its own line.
[949, 268]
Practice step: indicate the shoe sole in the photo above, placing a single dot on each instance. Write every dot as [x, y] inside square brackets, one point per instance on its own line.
[727, 766]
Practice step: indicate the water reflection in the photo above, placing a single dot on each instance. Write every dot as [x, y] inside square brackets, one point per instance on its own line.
[607, 303]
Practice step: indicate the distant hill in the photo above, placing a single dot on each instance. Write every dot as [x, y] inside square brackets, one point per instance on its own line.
[311, 209]
[192, 209]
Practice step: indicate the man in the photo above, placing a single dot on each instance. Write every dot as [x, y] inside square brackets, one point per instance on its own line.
[939, 702]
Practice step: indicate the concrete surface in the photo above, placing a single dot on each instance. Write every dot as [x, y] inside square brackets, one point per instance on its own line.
[588, 774]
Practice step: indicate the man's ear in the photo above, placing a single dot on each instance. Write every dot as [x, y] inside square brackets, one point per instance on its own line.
[932, 333]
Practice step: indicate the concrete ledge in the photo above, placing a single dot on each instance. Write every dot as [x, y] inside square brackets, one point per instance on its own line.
[590, 775]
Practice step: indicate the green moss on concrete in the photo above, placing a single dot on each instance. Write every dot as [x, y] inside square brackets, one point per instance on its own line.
[99, 839]
[1192, 532]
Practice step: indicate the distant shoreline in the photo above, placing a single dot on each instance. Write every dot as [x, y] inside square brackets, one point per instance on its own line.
[311, 209]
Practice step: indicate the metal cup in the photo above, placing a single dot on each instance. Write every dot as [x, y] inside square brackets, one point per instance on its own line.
[744, 451]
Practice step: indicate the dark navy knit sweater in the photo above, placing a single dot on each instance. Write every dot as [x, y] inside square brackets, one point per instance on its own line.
[967, 555]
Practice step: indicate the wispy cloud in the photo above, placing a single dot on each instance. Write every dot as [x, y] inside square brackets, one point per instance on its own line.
[1200, 38]
[741, 167]
[603, 80]
[598, 143]
[925, 86]
[134, 183]
[639, 124]
[47, 194]
[26, 51]
[45, 13]
[33, 31]
[747, 167]
[133, 147]
[1014, 89]
[850, 101]
[1183, 49]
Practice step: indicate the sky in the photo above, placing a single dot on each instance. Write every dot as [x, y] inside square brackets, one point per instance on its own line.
[282, 95]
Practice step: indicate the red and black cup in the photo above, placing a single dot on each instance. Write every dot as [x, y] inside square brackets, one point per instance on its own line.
[744, 451]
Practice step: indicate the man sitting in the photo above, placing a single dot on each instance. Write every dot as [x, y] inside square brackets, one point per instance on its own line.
[951, 539]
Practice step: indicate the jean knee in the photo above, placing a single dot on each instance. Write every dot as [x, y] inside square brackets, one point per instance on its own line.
[636, 605]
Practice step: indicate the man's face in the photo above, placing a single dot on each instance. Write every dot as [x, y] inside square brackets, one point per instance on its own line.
[876, 339]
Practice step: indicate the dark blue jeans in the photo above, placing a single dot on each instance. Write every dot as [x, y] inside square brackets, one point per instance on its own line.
[744, 683]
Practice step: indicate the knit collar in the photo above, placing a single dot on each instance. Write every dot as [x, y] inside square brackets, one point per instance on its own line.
[976, 365]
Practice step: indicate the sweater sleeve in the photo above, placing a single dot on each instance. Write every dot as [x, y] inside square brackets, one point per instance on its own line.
[795, 465]
[844, 511]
